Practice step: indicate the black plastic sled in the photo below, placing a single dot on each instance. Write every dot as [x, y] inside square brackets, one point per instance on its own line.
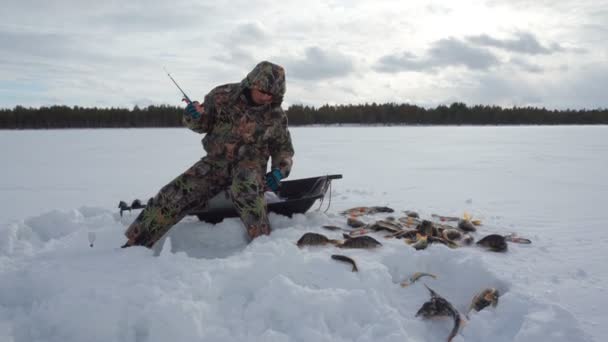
[294, 197]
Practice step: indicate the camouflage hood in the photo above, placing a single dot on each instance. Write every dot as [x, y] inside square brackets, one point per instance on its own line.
[267, 77]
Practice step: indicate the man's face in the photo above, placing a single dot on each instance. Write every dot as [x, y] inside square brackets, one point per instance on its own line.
[260, 97]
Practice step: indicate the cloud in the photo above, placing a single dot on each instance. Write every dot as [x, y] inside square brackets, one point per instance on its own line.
[524, 42]
[110, 16]
[91, 52]
[584, 88]
[26, 44]
[240, 44]
[62, 49]
[579, 88]
[503, 91]
[319, 64]
[525, 65]
[443, 53]
[235, 56]
[249, 33]
[439, 9]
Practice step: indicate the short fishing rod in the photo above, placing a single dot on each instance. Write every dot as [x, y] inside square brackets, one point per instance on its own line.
[186, 98]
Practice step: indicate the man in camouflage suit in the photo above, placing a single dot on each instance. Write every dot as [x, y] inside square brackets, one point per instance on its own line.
[244, 126]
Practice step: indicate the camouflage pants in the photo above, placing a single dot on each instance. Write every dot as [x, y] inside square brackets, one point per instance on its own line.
[193, 189]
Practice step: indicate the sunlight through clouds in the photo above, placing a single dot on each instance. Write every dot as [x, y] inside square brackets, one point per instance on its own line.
[334, 52]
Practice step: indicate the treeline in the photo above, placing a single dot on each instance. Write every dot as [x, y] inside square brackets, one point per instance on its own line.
[383, 114]
[81, 117]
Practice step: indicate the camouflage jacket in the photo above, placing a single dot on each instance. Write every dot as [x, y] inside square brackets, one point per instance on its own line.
[237, 131]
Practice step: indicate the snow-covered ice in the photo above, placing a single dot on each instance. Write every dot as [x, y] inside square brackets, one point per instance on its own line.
[205, 283]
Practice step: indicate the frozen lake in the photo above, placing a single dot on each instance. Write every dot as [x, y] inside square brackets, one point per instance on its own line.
[545, 183]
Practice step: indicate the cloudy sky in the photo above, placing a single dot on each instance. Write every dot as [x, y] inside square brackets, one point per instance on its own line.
[550, 53]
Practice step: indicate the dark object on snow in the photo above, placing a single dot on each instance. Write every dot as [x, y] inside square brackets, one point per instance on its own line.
[333, 228]
[344, 258]
[445, 218]
[412, 214]
[314, 239]
[451, 234]
[359, 211]
[415, 277]
[364, 242]
[486, 297]
[516, 239]
[426, 228]
[440, 307]
[296, 197]
[384, 225]
[494, 242]
[466, 225]
[353, 222]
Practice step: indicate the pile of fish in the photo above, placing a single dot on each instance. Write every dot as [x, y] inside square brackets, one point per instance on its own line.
[419, 234]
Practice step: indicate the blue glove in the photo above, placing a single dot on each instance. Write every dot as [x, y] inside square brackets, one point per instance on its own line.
[192, 112]
[273, 178]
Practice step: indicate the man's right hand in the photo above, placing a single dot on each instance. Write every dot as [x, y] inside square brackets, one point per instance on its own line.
[194, 110]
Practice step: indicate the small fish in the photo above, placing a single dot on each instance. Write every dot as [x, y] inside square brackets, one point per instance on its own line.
[484, 298]
[377, 209]
[412, 214]
[466, 225]
[467, 240]
[408, 234]
[440, 307]
[359, 211]
[444, 226]
[494, 242]
[364, 242]
[315, 239]
[385, 225]
[409, 221]
[516, 239]
[410, 237]
[445, 218]
[414, 278]
[357, 232]
[468, 217]
[353, 222]
[422, 242]
[426, 228]
[330, 227]
[451, 234]
[344, 258]
[353, 212]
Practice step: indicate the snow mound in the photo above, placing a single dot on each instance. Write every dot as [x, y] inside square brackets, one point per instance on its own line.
[208, 284]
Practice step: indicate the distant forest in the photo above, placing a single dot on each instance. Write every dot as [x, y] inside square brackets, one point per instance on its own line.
[368, 114]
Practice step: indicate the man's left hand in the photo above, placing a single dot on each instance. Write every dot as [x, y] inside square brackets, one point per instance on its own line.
[273, 178]
[194, 110]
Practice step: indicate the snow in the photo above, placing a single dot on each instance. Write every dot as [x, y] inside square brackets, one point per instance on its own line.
[205, 283]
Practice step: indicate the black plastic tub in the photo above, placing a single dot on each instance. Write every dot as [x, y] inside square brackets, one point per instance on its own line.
[296, 197]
